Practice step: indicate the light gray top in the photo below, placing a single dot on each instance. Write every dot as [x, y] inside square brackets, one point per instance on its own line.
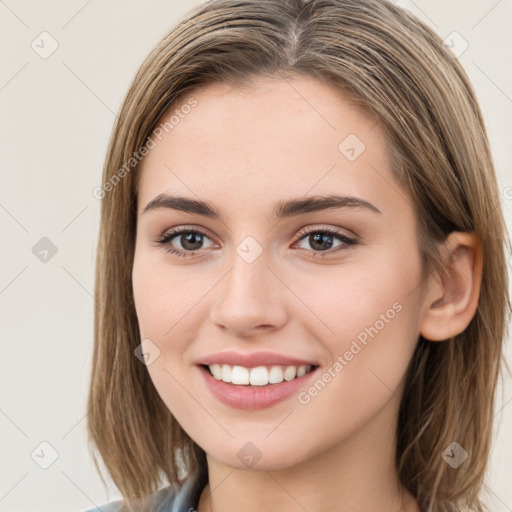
[168, 499]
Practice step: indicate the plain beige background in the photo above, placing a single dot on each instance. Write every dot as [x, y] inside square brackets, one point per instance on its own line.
[56, 116]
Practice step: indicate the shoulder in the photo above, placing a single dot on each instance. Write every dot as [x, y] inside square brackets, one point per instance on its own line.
[113, 506]
[161, 501]
[168, 499]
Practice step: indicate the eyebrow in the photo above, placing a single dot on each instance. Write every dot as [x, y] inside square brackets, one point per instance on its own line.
[282, 209]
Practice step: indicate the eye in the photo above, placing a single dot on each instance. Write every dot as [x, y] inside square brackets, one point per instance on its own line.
[190, 240]
[321, 240]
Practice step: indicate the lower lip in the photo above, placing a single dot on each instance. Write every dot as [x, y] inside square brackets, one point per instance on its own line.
[257, 397]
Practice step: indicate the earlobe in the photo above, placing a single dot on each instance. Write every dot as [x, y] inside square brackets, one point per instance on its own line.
[451, 300]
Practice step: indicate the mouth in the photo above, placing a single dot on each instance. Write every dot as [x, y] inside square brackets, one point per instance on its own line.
[258, 376]
[255, 380]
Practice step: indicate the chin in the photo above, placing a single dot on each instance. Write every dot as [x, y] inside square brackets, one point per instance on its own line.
[257, 457]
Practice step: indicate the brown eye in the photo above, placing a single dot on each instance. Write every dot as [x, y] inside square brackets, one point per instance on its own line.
[189, 241]
[322, 240]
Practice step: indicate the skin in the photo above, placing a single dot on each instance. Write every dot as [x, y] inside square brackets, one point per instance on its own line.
[243, 151]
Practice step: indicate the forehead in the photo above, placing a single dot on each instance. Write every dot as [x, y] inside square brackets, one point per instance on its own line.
[278, 138]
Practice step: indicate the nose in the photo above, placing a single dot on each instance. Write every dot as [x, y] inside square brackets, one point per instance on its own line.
[250, 299]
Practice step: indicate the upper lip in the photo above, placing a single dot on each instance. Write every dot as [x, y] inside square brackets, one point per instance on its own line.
[252, 360]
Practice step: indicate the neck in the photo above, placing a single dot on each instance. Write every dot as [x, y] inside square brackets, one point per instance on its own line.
[356, 475]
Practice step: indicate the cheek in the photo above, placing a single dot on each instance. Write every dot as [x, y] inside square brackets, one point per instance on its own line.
[169, 302]
[370, 356]
[164, 298]
[348, 301]
[165, 314]
[372, 320]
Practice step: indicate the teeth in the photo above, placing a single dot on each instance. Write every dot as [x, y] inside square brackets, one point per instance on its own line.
[216, 370]
[225, 374]
[259, 376]
[290, 373]
[275, 375]
[240, 375]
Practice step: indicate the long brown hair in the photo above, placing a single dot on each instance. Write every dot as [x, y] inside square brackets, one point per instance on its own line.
[392, 65]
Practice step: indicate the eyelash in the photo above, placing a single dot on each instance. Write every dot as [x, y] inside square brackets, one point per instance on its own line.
[164, 241]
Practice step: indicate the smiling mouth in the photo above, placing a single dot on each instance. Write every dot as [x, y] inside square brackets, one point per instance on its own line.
[257, 376]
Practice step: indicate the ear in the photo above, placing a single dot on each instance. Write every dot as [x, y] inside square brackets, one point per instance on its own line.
[451, 301]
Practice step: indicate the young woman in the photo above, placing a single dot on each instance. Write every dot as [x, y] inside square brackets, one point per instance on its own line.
[301, 276]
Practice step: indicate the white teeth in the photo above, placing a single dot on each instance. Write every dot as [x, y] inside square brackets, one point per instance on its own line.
[240, 375]
[258, 376]
[290, 373]
[226, 373]
[216, 371]
[275, 375]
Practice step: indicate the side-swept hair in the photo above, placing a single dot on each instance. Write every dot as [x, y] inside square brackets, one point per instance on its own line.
[395, 67]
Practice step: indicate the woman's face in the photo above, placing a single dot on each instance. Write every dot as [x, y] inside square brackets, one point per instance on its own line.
[263, 287]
